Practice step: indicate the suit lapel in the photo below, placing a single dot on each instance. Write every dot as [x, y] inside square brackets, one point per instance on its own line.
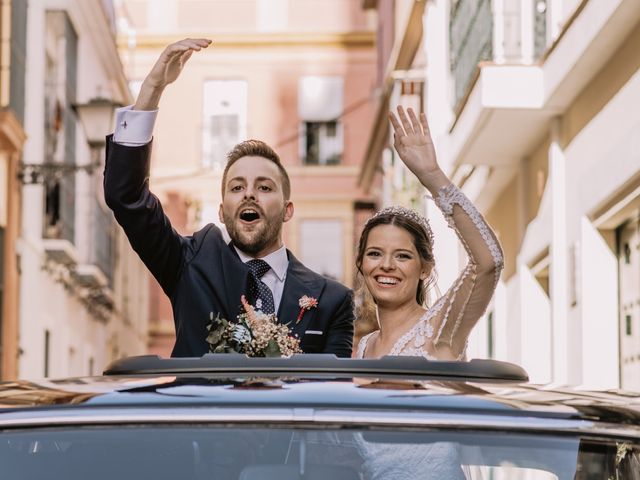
[235, 275]
[299, 282]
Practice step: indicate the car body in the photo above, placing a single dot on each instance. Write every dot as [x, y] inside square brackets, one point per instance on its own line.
[313, 416]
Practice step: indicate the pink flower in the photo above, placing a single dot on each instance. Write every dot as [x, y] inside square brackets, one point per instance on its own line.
[306, 303]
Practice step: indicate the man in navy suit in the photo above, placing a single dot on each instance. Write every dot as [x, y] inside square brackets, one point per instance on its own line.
[202, 274]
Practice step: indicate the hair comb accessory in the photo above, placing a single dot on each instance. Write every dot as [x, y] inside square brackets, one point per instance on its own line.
[409, 214]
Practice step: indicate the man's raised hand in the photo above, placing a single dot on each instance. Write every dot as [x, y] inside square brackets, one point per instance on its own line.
[166, 70]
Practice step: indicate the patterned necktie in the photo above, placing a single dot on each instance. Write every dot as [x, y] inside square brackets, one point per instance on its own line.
[260, 295]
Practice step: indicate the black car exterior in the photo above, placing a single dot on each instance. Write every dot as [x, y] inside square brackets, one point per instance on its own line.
[313, 417]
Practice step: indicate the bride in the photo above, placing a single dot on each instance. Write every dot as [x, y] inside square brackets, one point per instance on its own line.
[395, 259]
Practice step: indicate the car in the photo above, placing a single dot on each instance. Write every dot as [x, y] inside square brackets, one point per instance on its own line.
[227, 416]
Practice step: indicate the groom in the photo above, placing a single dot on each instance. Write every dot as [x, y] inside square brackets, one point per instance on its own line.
[201, 274]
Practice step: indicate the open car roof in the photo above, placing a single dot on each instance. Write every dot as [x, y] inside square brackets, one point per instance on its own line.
[395, 366]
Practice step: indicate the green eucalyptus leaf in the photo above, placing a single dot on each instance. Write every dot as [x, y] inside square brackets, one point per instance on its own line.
[272, 349]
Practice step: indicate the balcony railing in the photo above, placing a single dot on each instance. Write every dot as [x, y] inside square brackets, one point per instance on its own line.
[516, 33]
[470, 41]
[539, 27]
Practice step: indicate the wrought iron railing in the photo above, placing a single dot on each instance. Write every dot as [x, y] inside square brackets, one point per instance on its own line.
[477, 33]
[470, 41]
[539, 27]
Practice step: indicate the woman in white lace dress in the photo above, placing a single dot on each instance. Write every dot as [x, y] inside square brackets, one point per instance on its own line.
[395, 259]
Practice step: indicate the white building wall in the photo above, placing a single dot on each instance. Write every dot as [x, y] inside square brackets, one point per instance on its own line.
[536, 352]
[598, 310]
[80, 342]
[570, 336]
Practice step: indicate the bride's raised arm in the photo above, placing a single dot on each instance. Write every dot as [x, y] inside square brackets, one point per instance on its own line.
[466, 301]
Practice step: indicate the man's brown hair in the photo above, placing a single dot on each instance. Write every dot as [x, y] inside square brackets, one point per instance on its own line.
[256, 148]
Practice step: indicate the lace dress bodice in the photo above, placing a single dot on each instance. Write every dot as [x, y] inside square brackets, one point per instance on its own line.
[450, 320]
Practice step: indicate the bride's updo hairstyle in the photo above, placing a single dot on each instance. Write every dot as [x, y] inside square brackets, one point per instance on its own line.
[420, 231]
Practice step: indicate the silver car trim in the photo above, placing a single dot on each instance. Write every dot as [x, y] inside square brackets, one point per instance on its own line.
[314, 417]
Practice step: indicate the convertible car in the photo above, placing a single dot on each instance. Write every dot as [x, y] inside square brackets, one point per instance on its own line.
[313, 417]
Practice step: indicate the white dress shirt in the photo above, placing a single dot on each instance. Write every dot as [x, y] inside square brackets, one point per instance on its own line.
[135, 128]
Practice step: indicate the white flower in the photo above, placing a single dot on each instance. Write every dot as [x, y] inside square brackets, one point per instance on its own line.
[241, 334]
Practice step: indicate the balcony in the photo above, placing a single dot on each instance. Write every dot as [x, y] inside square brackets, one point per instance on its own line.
[470, 41]
[89, 276]
[60, 251]
[517, 88]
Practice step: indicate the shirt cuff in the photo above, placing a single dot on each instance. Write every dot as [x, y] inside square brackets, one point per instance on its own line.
[134, 127]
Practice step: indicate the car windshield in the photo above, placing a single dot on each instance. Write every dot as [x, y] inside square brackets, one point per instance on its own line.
[244, 452]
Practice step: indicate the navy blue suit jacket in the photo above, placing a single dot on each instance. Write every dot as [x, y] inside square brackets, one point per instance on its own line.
[203, 274]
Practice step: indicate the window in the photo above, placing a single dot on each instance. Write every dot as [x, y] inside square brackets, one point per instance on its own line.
[320, 107]
[321, 247]
[273, 451]
[322, 144]
[60, 125]
[225, 120]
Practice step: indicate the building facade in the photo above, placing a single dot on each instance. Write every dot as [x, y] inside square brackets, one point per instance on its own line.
[297, 74]
[83, 297]
[530, 104]
[12, 137]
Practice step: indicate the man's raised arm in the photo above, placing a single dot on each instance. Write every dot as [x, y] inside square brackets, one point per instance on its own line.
[134, 124]
[126, 176]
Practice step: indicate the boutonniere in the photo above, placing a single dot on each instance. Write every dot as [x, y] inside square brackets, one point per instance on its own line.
[305, 303]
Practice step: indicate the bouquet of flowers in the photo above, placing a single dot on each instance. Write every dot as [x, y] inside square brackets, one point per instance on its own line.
[255, 334]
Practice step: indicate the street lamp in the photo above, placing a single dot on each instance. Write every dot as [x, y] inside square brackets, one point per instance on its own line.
[95, 116]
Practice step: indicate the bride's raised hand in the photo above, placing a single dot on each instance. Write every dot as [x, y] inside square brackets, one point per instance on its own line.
[412, 140]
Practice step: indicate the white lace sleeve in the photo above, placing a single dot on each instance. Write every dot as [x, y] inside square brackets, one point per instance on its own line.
[467, 299]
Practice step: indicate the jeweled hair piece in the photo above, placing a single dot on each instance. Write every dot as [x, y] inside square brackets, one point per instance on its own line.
[409, 214]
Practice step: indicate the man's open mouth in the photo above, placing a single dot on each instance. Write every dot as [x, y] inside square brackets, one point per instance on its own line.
[249, 215]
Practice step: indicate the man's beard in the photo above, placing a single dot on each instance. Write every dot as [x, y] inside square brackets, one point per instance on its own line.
[257, 240]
